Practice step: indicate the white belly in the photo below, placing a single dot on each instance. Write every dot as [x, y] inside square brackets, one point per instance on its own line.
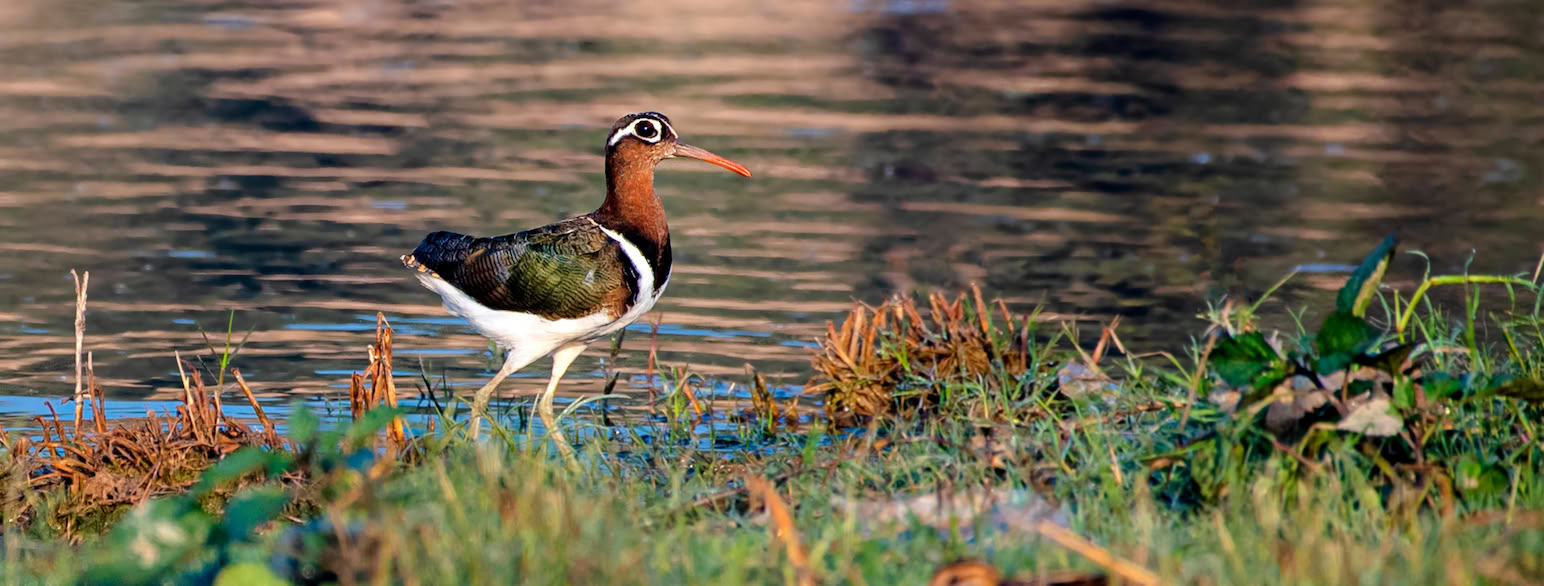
[514, 330]
[528, 336]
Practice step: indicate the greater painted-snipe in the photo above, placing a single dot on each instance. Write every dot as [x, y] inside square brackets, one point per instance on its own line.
[554, 289]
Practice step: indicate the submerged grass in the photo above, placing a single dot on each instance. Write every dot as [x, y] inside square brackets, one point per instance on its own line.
[965, 445]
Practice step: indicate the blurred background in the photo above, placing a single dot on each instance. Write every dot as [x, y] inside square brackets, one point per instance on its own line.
[1103, 158]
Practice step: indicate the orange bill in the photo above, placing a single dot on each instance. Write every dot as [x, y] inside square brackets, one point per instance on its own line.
[685, 150]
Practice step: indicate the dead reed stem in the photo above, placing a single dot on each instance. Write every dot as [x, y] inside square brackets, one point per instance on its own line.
[81, 282]
[1126, 570]
[262, 417]
[375, 386]
[383, 339]
[685, 384]
[783, 529]
[98, 414]
[187, 391]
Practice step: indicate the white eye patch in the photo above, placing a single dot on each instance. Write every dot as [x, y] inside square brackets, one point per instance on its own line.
[648, 130]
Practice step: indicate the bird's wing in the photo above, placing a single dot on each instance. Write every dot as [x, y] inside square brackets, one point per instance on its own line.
[566, 270]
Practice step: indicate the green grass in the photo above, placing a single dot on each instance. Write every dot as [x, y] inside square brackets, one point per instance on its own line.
[485, 514]
[1175, 464]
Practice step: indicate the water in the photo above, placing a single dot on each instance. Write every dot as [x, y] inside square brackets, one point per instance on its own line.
[1102, 158]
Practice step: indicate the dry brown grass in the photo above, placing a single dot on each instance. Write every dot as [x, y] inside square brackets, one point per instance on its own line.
[99, 470]
[107, 467]
[865, 368]
[376, 386]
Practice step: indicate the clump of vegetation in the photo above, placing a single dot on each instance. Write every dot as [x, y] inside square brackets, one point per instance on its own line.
[891, 360]
[1382, 448]
[79, 480]
[1430, 417]
[95, 473]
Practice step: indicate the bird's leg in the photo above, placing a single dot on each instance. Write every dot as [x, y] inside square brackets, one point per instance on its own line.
[480, 400]
[560, 361]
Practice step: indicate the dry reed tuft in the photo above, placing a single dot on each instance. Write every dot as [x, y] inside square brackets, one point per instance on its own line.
[375, 386]
[102, 469]
[868, 364]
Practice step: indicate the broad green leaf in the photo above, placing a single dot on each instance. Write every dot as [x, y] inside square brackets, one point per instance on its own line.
[1466, 473]
[1358, 291]
[248, 574]
[250, 510]
[1242, 360]
[1341, 339]
[1440, 385]
[235, 465]
[1404, 394]
[1494, 481]
[371, 423]
[150, 541]
[1475, 479]
[303, 424]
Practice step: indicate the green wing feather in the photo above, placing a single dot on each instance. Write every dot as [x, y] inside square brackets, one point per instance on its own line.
[567, 270]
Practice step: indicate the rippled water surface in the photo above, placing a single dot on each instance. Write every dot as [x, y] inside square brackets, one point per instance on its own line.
[1103, 158]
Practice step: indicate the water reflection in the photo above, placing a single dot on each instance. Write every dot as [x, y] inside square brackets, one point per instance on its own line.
[1103, 159]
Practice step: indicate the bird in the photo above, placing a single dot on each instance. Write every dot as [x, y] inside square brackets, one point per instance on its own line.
[555, 289]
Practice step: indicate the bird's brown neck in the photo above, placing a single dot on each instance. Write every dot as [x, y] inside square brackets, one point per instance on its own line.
[633, 210]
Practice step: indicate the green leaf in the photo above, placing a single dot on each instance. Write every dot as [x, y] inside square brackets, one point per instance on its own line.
[1404, 394]
[1241, 359]
[1466, 473]
[238, 464]
[1358, 291]
[1494, 481]
[1475, 479]
[1341, 339]
[147, 544]
[248, 574]
[250, 510]
[303, 424]
[371, 423]
[1440, 385]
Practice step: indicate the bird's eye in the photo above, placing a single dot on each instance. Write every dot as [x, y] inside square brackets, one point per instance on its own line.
[645, 129]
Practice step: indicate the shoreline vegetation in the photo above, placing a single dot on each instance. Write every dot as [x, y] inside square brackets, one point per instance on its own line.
[958, 443]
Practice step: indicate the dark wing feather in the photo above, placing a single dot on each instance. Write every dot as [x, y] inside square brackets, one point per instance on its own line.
[567, 270]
